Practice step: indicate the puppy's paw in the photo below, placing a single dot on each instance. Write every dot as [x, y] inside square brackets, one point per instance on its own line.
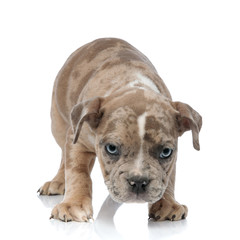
[167, 209]
[52, 188]
[67, 212]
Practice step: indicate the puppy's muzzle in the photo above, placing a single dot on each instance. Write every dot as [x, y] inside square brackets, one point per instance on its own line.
[138, 184]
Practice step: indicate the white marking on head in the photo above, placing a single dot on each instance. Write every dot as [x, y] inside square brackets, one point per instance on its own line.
[141, 130]
[141, 125]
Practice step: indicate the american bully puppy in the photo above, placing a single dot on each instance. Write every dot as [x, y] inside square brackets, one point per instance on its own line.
[109, 102]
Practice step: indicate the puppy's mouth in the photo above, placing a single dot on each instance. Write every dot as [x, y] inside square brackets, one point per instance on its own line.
[135, 191]
[137, 198]
[130, 197]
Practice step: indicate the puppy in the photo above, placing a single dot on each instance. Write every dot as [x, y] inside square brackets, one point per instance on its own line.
[109, 102]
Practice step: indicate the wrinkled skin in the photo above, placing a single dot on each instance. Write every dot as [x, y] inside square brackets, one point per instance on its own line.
[139, 153]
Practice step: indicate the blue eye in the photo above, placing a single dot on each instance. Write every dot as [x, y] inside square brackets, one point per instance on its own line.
[112, 149]
[166, 153]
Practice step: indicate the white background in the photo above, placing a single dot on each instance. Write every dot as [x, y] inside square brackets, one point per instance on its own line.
[195, 45]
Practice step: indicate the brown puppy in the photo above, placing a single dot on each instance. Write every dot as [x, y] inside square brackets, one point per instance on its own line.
[108, 101]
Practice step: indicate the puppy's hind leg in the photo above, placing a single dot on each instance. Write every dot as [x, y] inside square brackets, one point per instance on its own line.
[59, 129]
[57, 185]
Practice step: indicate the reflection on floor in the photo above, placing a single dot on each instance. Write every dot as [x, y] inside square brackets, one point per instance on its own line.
[104, 225]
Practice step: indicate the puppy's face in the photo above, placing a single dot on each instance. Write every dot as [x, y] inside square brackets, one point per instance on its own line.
[137, 147]
[136, 135]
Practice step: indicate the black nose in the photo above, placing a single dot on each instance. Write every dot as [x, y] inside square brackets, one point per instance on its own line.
[138, 184]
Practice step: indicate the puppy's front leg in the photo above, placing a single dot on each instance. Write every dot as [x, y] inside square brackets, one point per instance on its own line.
[77, 202]
[167, 208]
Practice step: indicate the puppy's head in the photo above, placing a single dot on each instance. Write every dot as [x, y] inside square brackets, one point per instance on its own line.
[136, 135]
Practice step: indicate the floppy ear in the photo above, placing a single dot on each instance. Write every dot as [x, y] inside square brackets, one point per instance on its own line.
[188, 119]
[85, 111]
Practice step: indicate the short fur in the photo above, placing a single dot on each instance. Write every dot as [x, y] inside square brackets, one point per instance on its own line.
[108, 92]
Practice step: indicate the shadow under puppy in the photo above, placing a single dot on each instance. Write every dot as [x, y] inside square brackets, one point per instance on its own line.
[109, 101]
